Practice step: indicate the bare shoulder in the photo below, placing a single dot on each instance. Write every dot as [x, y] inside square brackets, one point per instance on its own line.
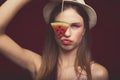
[99, 72]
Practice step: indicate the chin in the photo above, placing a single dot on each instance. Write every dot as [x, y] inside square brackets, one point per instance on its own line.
[67, 48]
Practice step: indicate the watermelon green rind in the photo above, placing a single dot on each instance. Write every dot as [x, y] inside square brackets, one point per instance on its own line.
[59, 23]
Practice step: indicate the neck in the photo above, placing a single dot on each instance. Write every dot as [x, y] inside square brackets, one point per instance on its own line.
[67, 58]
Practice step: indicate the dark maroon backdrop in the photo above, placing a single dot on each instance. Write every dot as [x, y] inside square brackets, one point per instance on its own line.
[28, 30]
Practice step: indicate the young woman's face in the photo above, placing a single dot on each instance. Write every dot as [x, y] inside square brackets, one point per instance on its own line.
[74, 32]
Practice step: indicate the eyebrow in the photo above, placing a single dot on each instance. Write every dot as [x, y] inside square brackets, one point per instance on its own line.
[75, 23]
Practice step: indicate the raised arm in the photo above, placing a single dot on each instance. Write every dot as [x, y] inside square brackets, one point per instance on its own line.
[9, 9]
[9, 48]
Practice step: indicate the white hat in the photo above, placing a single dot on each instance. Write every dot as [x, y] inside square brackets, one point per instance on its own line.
[90, 11]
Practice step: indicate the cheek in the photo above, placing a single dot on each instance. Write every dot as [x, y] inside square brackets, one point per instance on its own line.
[78, 35]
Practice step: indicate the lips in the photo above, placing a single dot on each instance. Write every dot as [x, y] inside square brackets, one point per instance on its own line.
[66, 41]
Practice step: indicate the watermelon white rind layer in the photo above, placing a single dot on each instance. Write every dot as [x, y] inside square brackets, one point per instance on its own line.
[60, 23]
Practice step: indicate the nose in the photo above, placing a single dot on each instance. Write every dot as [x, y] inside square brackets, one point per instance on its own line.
[68, 32]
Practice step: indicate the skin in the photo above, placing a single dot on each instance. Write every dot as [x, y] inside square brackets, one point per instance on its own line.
[68, 49]
[73, 33]
[31, 60]
[8, 47]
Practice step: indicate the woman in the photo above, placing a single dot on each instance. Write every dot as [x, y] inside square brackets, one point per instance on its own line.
[66, 55]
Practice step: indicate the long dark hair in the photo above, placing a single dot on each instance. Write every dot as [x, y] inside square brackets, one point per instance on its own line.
[48, 70]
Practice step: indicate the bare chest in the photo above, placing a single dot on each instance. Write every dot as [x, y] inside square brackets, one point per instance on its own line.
[70, 74]
[66, 74]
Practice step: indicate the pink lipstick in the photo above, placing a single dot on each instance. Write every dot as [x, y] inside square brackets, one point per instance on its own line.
[66, 41]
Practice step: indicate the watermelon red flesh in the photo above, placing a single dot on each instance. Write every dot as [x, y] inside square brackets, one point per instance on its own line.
[60, 30]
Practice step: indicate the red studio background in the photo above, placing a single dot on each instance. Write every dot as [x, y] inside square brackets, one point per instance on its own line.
[28, 29]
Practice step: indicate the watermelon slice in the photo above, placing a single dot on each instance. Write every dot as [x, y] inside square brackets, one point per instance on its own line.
[59, 28]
